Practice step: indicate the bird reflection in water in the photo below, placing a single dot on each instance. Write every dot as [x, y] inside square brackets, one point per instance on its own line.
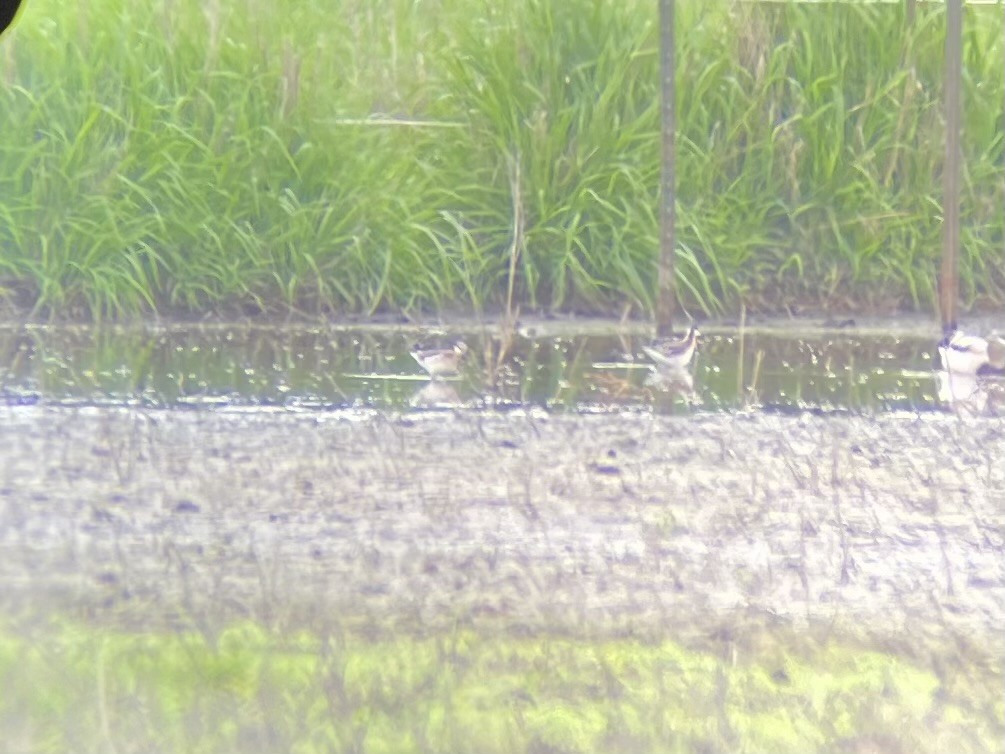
[436, 394]
[675, 381]
[970, 393]
[968, 379]
[672, 364]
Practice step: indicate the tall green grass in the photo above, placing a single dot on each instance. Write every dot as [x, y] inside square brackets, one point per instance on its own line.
[399, 155]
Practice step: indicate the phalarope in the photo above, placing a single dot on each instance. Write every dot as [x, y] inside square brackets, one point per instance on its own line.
[440, 362]
[673, 354]
[967, 354]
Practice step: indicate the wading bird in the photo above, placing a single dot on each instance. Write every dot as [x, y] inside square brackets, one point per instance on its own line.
[440, 362]
[967, 354]
[673, 354]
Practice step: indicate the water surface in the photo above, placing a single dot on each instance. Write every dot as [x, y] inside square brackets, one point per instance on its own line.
[319, 367]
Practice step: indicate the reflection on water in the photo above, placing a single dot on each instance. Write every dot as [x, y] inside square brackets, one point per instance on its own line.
[324, 368]
[675, 381]
[436, 394]
[970, 393]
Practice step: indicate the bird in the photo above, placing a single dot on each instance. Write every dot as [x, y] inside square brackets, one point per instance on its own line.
[969, 354]
[673, 354]
[440, 362]
[963, 392]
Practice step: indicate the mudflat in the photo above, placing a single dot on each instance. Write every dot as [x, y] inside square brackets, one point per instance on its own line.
[888, 526]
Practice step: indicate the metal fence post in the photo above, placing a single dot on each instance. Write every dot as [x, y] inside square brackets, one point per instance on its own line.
[665, 295]
[949, 279]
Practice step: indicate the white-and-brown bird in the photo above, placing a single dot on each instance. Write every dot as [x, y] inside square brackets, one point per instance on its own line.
[669, 353]
[968, 354]
[440, 362]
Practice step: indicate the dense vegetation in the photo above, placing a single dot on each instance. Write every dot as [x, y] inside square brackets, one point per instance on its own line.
[421, 155]
[74, 688]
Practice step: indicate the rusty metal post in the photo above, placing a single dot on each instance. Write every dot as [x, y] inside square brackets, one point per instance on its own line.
[949, 279]
[666, 293]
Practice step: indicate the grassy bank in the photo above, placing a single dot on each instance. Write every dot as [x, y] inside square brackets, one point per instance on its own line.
[73, 688]
[389, 155]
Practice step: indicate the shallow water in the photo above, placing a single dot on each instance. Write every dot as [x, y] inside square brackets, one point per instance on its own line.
[316, 367]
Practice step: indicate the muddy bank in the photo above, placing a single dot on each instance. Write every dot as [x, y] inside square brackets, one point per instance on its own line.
[888, 526]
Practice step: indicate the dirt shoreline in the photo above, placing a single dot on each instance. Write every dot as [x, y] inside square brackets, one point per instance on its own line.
[905, 324]
[886, 526]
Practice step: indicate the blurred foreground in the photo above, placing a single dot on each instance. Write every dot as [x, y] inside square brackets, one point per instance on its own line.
[354, 581]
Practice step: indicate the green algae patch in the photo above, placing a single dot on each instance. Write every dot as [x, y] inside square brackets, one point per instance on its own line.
[74, 687]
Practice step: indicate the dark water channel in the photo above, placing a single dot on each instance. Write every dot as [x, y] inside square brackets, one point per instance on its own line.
[371, 368]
